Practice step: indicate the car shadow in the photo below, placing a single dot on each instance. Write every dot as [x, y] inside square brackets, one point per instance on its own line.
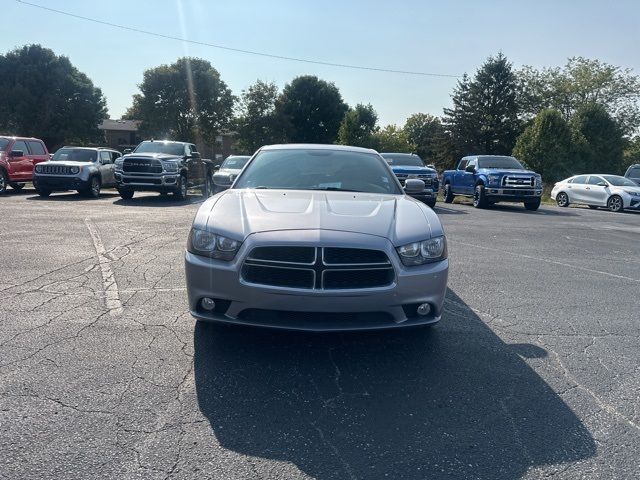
[543, 210]
[451, 402]
[157, 200]
[441, 210]
[72, 196]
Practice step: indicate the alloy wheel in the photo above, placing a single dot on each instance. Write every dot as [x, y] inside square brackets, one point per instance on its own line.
[615, 203]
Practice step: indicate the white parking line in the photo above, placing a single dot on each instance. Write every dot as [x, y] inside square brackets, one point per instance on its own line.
[109, 285]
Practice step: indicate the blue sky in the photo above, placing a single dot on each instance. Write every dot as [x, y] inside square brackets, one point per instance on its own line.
[447, 37]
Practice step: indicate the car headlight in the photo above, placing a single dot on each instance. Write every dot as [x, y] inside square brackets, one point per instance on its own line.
[38, 168]
[538, 182]
[209, 244]
[633, 194]
[119, 164]
[493, 179]
[170, 166]
[427, 251]
[74, 170]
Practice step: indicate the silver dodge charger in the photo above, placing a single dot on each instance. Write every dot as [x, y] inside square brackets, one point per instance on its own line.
[317, 237]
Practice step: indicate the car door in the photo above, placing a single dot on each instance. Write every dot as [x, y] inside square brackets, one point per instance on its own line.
[21, 168]
[458, 176]
[596, 191]
[106, 169]
[37, 152]
[196, 166]
[576, 190]
[468, 178]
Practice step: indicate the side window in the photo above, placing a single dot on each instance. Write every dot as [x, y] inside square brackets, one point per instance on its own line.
[634, 172]
[105, 157]
[473, 163]
[36, 148]
[20, 145]
[595, 180]
[115, 156]
[463, 164]
[582, 179]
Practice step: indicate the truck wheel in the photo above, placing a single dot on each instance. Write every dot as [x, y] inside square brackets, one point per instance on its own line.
[532, 205]
[43, 192]
[17, 186]
[126, 194]
[3, 181]
[562, 199]
[431, 203]
[207, 189]
[94, 188]
[181, 191]
[479, 198]
[615, 203]
[448, 194]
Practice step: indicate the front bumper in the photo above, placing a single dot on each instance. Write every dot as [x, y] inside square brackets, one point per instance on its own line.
[425, 195]
[165, 182]
[53, 182]
[315, 310]
[497, 194]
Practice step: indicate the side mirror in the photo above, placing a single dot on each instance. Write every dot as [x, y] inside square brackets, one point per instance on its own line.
[413, 185]
[602, 184]
[16, 153]
[470, 169]
[195, 155]
[127, 150]
[217, 167]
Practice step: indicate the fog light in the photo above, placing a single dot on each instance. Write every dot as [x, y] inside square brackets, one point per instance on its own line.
[208, 303]
[424, 309]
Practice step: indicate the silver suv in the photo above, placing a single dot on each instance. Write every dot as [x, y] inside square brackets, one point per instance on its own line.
[85, 169]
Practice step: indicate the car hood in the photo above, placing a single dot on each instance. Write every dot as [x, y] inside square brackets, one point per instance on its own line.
[67, 163]
[237, 213]
[626, 189]
[158, 156]
[511, 171]
[410, 169]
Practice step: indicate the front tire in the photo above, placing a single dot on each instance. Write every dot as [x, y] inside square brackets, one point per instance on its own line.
[43, 192]
[126, 194]
[17, 186]
[181, 191]
[207, 189]
[94, 188]
[448, 194]
[615, 203]
[533, 206]
[431, 203]
[3, 182]
[479, 197]
[562, 199]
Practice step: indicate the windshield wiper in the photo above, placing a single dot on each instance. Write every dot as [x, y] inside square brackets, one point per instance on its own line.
[334, 189]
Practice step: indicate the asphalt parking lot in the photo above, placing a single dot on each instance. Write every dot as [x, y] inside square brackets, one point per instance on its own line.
[533, 371]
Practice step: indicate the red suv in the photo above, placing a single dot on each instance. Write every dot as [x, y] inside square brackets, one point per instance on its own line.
[18, 155]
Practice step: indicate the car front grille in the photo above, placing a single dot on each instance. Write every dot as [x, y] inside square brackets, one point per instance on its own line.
[141, 165]
[427, 178]
[318, 268]
[55, 170]
[518, 181]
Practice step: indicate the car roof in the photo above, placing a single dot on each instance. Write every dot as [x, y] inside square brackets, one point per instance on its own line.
[9, 137]
[317, 146]
[90, 148]
[166, 141]
[399, 153]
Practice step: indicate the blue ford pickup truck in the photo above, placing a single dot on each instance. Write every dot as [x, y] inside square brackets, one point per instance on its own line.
[410, 165]
[493, 178]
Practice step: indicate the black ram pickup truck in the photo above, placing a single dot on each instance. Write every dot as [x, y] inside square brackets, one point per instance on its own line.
[165, 167]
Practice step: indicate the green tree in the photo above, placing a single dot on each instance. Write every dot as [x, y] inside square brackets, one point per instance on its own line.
[484, 118]
[45, 96]
[357, 126]
[426, 133]
[312, 110]
[579, 83]
[392, 139]
[604, 139]
[258, 123]
[632, 152]
[186, 101]
[548, 146]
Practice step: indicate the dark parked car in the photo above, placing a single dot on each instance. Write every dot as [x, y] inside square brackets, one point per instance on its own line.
[228, 172]
[165, 167]
[18, 155]
[84, 169]
[409, 165]
[633, 173]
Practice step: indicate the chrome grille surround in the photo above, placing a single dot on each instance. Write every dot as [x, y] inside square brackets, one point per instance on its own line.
[518, 181]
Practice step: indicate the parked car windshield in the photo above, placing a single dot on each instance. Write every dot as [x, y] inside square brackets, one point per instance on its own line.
[311, 169]
[499, 162]
[170, 148]
[405, 160]
[3, 143]
[634, 172]
[235, 162]
[618, 181]
[75, 155]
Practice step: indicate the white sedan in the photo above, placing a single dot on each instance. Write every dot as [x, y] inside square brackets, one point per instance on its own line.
[611, 191]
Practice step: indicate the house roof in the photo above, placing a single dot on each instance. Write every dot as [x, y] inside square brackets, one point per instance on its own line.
[121, 125]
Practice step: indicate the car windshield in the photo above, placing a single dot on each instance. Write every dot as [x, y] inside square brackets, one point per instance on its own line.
[75, 155]
[170, 148]
[499, 162]
[310, 169]
[3, 143]
[618, 181]
[235, 162]
[405, 160]
[634, 172]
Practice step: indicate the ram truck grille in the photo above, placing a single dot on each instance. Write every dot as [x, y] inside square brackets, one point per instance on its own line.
[318, 268]
[141, 165]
